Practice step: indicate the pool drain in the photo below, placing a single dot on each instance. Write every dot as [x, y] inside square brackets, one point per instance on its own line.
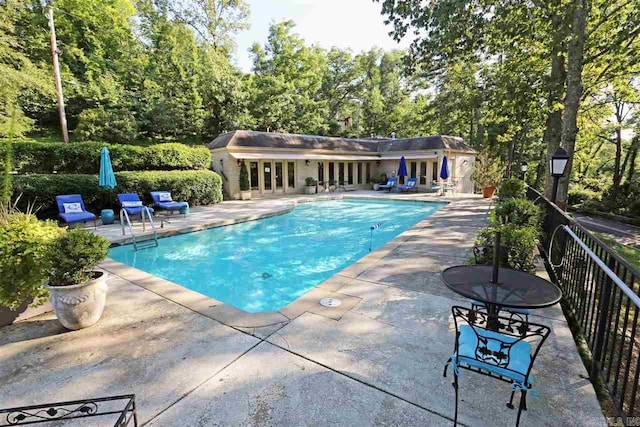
[265, 275]
[330, 302]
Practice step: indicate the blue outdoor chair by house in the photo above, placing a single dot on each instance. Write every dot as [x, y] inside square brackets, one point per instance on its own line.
[163, 202]
[71, 209]
[507, 355]
[390, 185]
[410, 185]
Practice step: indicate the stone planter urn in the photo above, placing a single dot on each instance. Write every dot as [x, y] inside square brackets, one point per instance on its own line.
[376, 187]
[79, 306]
[310, 189]
[245, 195]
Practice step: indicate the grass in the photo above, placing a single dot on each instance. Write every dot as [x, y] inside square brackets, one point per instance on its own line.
[629, 253]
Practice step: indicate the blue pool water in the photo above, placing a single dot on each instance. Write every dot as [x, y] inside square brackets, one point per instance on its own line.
[266, 264]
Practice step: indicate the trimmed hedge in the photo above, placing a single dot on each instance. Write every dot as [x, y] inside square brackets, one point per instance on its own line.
[202, 187]
[84, 157]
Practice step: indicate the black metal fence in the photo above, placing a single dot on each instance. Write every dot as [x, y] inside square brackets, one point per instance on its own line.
[600, 289]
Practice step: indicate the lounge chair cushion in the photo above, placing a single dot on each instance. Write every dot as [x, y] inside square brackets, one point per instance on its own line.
[71, 218]
[519, 355]
[172, 206]
[131, 204]
[136, 210]
[72, 208]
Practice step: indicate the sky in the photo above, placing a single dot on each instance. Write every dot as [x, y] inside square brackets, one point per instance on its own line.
[354, 24]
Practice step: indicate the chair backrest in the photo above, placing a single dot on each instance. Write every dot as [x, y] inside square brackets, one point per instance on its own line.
[412, 182]
[128, 197]
[494, 347]
[155, 195]
[69, 198]
[392, 181]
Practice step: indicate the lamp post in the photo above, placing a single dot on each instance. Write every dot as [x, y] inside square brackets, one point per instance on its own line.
[557, 166]
[523, 170]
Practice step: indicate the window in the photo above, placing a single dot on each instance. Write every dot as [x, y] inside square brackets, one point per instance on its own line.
[266, 166]
[368, 173]
[279, 177]
[434, 171]
[359, 173]
[414, 169]
[350, 173]
[423, 173]
[253, 173]
[341, 173]
[291, 174]
[321, 172]
[332, 173]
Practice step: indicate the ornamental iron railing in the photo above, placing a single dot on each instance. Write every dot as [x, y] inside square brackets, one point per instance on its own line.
[120, 409]
[600, 292]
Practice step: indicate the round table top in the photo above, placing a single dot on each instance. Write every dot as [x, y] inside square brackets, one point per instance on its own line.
[514, 289]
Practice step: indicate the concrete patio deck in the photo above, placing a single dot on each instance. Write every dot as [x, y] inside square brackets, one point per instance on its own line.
[378, 362]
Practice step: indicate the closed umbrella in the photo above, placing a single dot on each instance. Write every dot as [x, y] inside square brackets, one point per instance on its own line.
[444, 171]
[107, 178]
[402, 167]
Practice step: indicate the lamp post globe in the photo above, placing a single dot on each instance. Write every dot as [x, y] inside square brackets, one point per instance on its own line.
[557, 166]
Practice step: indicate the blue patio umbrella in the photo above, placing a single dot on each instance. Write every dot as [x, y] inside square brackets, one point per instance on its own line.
[402, 167]
[444, 171]
[107, 178]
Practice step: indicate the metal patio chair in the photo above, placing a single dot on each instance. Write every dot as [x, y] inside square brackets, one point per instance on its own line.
[503, 354]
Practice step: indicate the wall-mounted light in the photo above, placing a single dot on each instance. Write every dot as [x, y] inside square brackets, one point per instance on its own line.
[523, 170]
[239, 162]
[378, 162]
[465, 162]
[221, 162]
[307, 162]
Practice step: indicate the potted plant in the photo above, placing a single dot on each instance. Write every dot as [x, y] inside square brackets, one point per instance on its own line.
[376, 182]
[23, 247]
[245, 187]
[310, 185]
[77, 290]
[487, 173]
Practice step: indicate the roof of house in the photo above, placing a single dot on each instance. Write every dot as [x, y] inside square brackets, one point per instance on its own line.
[244, 138]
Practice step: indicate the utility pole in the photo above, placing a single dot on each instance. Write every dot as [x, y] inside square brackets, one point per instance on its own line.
[56, 76]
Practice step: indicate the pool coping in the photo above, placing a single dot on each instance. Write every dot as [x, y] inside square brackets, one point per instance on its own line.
[308, 302]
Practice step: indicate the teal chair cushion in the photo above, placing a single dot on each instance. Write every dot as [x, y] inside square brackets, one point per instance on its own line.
[519, 356]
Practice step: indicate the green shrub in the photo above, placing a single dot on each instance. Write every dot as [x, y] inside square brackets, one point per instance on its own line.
[110, 125]
[84, 157]
[487, 170]
[512, 189]
[579, 194]
[200, 187]
[521, 242]
[520, 212]
[244, 177]
[177, 156]
[309, 181]
[23, 246]
[72, 256]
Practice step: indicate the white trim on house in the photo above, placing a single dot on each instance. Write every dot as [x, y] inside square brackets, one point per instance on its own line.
[288, 156]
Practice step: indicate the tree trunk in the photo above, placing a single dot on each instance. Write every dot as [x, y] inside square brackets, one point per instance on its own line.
[540, 170]
[632, 158]
[617, 169]
[553, 126]
[575, 58]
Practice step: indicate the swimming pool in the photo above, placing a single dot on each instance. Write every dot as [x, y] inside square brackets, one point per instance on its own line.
[264, 265]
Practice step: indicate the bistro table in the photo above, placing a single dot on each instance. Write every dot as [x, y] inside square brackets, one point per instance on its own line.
[512, 289]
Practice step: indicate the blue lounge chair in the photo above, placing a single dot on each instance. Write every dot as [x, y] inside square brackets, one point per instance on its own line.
[410, 185]
[163, 201]
[390, 185]
[133, 206]
[71, 209]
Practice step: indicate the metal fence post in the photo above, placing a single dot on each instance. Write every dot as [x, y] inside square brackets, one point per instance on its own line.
[603, 307]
